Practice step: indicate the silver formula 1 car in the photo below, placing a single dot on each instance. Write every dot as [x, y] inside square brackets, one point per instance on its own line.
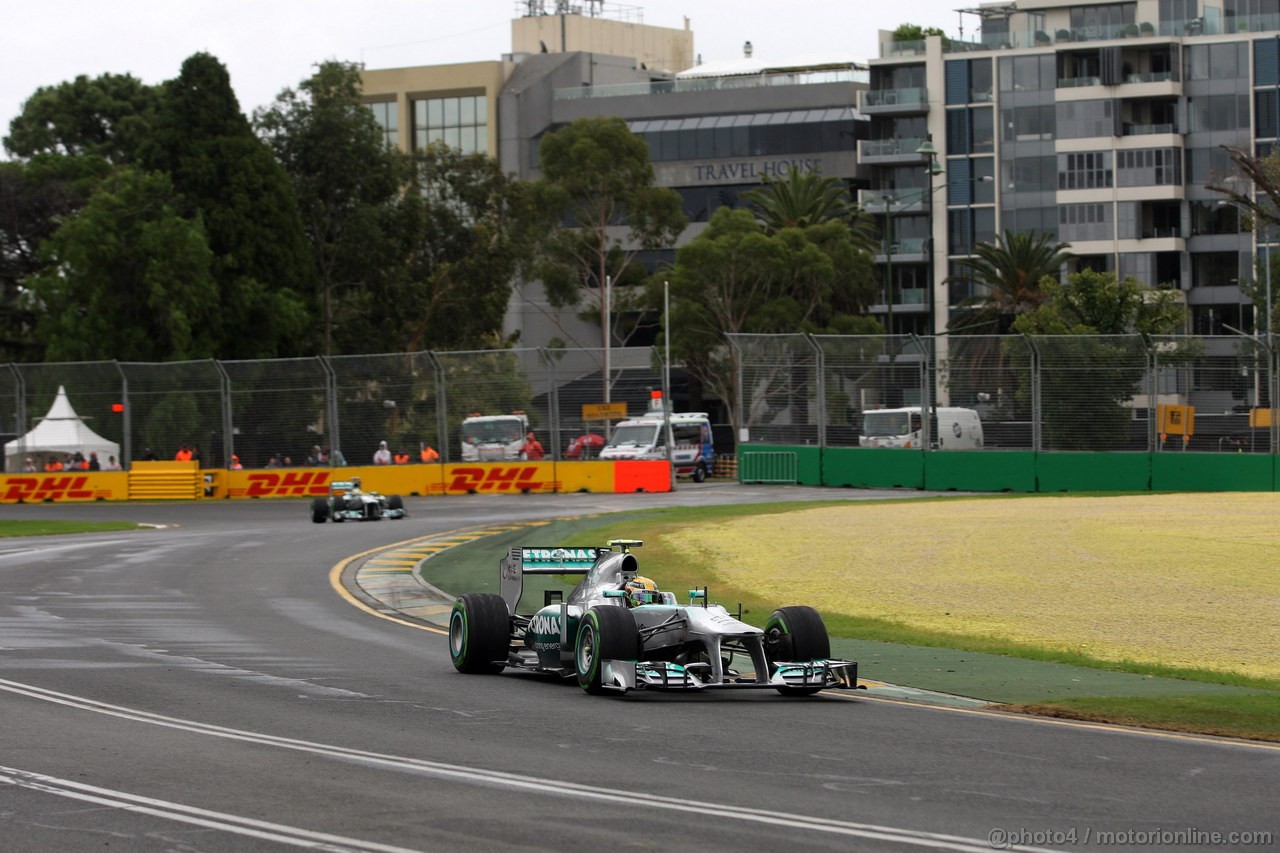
[612, 638]
[348, 502]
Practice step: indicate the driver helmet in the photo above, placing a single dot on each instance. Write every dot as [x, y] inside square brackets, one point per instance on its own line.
[355, 485]
[641, 590]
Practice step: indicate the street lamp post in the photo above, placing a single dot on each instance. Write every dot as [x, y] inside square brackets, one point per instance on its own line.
[888, 265]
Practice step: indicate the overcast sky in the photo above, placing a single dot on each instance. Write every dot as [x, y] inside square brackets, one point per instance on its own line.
[268, 45]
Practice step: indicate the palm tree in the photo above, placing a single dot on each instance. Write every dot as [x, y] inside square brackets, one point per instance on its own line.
[805, 199]
[1009, 272]
[798, 201]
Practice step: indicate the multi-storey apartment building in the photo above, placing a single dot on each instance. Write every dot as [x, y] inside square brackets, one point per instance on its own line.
[1098, 122]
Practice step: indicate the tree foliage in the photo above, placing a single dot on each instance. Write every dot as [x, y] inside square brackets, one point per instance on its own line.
[1099, 319]
[127, 278]
[261, 261]
[467, 229]
[1011, 274]
[36, 196]
[347, 184]
[598, 181]
[737, 277]
[106, 117]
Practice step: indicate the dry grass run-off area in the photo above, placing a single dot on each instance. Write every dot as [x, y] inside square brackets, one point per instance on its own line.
[1185, 580]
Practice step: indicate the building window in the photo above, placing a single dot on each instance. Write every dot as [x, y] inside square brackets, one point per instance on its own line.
[1228, 61]
[1082, 222]
[1218, 112]
[1147, 167]
[1081, 119]
[1085, 170]
[459, 122]
[387, 115]
[1022, 124]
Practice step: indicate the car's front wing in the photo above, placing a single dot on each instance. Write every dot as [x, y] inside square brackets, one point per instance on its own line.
[622, 675]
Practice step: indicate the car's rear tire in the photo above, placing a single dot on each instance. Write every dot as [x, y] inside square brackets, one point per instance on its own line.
[699, 473]
[479, 633]
[795, 635]
[606, 632]
[319, 510]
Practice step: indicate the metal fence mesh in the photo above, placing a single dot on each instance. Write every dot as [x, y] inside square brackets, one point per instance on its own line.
[1048, 393]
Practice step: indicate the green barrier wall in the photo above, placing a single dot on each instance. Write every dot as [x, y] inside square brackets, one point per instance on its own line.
[808, 460]
[1212, 472]
[1102, 472]
[1024, 471]
[873, 468]
[980, 471]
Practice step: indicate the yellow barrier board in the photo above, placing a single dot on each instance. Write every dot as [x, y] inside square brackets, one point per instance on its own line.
[515, 477]
[1260, 418]
[64, 486]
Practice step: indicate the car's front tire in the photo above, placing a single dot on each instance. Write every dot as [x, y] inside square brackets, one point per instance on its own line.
[395, 502]
[479, 633]
[796, 635]
[607, 632]
[700, 473]
[319, 510]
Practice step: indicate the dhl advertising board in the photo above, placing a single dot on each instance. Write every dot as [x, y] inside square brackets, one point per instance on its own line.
[457, 479]
[64, 486]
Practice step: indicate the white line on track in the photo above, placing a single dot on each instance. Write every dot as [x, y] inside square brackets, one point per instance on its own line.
[530, 784]
[189, 814]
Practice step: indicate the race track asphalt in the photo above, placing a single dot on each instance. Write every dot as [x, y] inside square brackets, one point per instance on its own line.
[202, 686]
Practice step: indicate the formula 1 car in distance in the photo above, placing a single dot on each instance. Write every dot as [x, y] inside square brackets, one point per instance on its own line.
[617, 632]
[347, 501]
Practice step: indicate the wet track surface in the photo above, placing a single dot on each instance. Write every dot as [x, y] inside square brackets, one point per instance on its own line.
[201, 687]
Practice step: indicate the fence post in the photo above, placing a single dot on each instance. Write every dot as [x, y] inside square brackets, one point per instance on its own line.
[1153, 391]
[331, 403]
[228, 438]
[442, 408]
[126, 442]
[926, 398]
[821, 376]
[739, 369]
[19, 408]
[1036, 413]
[1273, 385]
[553, 402]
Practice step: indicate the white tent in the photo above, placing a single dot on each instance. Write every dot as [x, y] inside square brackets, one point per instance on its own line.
[60, 432]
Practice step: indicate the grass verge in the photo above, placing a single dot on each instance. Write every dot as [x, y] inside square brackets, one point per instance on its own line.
[53, 528]
[1254, 716]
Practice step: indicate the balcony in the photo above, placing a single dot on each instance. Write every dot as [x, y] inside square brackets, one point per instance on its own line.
[1127, 129]
[1078, 82]
[882, 151]
[908, 199]
[895, 101]
[909, 250]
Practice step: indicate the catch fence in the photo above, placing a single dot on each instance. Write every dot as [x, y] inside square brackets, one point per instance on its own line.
[292, 412]
[1039, 393]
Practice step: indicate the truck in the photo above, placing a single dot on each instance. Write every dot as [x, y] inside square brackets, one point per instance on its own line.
[488, 438]
[692, 452]
[952, 428]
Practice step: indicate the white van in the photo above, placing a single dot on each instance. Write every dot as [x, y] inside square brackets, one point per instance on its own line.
[644, 438]
[487, 438]
[955, 428]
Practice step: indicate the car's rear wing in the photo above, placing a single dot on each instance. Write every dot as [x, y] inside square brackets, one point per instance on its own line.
[558, 560]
